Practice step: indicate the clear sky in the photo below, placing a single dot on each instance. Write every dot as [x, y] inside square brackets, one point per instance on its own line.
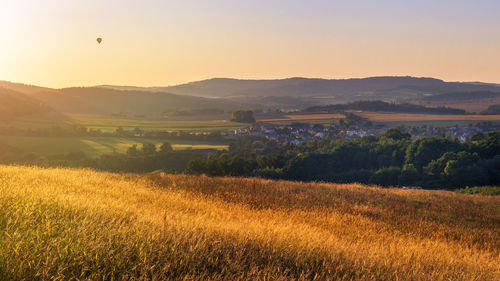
[164, 42]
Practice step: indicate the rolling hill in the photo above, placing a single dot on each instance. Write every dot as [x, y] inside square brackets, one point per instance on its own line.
[23, 88]
[102, 101]
[230, 94]
[107, 101]
[15, 104]
[72, 224]
[399, 87]
[304, 92]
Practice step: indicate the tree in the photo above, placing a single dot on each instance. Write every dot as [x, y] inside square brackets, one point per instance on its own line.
[435, 167]
[196, 166]
[396, 134]
[386, 176]
[120, 132]
[148, 149]
[138, 132]
[243, 116]
[132, 151]
[166, 147]
[477, 136]
[423, 151]
[409, 175]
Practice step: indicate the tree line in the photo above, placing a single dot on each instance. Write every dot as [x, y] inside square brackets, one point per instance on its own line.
[82, 131]
[143, 159]
[391, 159]
[382, 106]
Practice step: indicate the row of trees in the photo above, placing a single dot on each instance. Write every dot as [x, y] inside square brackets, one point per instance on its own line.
[385, 107]
[144, 159]
[243, 116]
[83, 131]
[389, 160]
[492, 109]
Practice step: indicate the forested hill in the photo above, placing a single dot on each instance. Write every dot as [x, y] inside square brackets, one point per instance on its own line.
[381, 106]
[397, 86]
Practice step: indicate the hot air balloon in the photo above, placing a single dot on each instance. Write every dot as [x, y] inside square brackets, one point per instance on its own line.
[99, 40]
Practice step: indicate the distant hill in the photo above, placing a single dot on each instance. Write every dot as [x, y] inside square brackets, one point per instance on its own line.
[23, 88]
[230, 94]
[15, 104]
[109, 100]
[395, 87]
[104, 101]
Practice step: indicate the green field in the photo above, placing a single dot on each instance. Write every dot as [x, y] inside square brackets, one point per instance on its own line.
[109, 124]
[95, 146]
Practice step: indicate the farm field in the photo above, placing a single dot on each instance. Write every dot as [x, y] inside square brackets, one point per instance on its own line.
[95, 146]
[303, 117]
[73, 224]
[409, 117]
[108, 124]
[383, 117]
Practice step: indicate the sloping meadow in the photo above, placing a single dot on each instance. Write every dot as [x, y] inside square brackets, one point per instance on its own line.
[69, 224]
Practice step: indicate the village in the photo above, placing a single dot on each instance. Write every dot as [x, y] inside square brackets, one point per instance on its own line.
[297, 133]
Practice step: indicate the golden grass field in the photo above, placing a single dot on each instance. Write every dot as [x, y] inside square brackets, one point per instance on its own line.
[69, 224]
[408, 117]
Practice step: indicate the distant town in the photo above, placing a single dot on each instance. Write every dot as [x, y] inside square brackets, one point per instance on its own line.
[299, 132]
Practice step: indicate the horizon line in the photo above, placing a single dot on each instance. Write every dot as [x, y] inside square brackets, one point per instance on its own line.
[249, 79]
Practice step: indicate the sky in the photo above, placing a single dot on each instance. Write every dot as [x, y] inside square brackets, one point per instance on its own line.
[166, 42]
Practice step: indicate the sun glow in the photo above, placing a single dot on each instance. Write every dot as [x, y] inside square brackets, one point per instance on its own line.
[152, 42]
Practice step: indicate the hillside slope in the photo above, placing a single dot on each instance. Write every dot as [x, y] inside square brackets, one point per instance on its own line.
[23, 88]
[80, 224]
[108, 101]
[14, 104]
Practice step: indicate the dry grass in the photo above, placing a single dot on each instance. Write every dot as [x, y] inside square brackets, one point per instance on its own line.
[408, 117]
[67, 224]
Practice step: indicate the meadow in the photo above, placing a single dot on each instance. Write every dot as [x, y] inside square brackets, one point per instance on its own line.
[70, 224]
[95, 146]
[106, 124]
[110, 124]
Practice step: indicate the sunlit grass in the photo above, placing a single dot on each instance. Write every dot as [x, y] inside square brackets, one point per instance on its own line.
[85, 225]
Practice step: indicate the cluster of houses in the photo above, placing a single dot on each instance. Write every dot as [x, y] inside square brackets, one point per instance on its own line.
[299, 133]
[460, 132]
